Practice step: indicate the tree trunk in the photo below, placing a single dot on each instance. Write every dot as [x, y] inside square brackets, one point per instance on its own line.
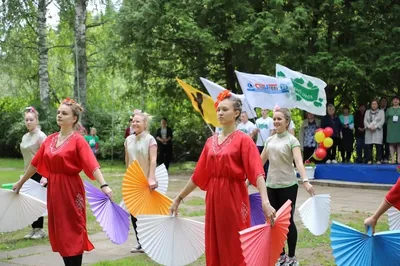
[43, 56]
[229, 71]
[80, 85]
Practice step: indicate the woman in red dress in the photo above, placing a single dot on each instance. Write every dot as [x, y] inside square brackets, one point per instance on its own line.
[227, 159]
[392, 199]
[61, 157]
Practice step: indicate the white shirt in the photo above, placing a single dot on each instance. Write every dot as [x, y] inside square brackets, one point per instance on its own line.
[138, 147]
[265, 125]
[30, 144]
[246, 128]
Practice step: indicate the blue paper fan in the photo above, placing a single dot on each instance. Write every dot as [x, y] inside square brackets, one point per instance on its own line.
[351, 247]
[112, 218]
[256, 212]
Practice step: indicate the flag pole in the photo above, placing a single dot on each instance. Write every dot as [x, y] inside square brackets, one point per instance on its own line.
[212, 131]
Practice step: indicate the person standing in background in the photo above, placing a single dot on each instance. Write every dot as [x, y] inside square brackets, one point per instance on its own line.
[29, 146]
[129, 130]
[164, 137]
[93, 140]
[347, 121]
[331, 120]
[385, 146]
[393, 129]
[306, 136]
[361, 148]
[264, 128]
[373, 121]
[246, 126]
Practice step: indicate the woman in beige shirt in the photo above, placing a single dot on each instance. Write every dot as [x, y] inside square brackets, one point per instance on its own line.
[30, 144]
[142, 147]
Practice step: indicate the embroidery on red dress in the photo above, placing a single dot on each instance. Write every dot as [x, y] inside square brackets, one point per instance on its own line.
[79, 201]
[53, 146]
[244, 212]
[218, 148]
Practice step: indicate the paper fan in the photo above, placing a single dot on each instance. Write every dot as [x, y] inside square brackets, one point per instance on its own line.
[36, 190]
[315, 213]
[17, 211]
[112, 218]
[162, 179]
[262, 244]
[171, 241]
[123, 206]
[256, 212]
[394, 219]
[138, 197]
[351, 247]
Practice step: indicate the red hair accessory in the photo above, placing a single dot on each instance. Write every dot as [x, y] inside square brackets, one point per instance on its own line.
[222, 96]
[68, 101]
[30, 109]
[277, 108]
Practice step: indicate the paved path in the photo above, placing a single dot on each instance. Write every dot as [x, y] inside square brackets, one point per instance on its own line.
[343, 200]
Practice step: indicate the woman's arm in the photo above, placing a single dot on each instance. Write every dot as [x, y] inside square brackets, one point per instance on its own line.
[372, 220]
[30, 171]
[126, 157]
[190, 186]
[264, 155]
[98, 175]
[153, 164]
[302, 171]
[269, 211]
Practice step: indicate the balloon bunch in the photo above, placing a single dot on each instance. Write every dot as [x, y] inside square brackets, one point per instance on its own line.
[323, 138]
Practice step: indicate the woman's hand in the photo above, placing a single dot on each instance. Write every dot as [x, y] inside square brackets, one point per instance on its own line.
[17, 186]
[269, 211]
[370, 221]
[309, 188]
[43, 181]
[107, 190]
[174, 207]
[153, 184]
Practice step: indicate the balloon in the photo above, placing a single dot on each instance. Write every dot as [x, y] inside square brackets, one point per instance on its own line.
[328, 131]
[319, 129]
[316, 158]
[328, 142]
[321, 145]
[320, 153]
[319, 137]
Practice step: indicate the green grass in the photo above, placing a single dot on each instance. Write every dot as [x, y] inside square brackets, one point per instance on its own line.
[142, 260]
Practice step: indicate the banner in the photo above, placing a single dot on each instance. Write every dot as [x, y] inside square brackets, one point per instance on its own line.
[309, 91]
[265, 91]
[214, 90]
[202, 103]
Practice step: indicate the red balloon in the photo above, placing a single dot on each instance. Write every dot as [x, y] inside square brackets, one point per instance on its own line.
[319, 129]
[321, 146]
[328, 132]
[320, 153]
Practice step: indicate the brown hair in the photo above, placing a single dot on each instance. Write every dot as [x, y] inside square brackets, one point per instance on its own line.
[286, 114]
[146, 117]
[76, 108]
[237, 105]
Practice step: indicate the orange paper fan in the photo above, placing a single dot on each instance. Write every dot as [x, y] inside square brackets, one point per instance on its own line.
[138, 197]
[262, 244]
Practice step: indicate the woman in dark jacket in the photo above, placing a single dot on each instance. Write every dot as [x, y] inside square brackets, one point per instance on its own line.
[331, 120]
[164, 138]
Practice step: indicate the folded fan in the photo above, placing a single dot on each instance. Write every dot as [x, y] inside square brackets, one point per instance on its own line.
[18, 211]
[256, 212]
[112, 218]
[162, 178]
[351, 247]
[394, 218]
[137, 195]
[315, 213]
[36, 190]
[262, 244]
[171, 241]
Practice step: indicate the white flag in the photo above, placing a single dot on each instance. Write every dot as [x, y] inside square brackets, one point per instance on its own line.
[267, 92]
[310, 91]
[214, 90]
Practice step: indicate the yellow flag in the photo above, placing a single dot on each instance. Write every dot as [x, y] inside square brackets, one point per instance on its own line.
[202, 103]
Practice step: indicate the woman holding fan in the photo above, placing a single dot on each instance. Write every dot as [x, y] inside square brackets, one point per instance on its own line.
[61, 157]
[227, 160]
[30, 144]
[142, 147]
[281, 149]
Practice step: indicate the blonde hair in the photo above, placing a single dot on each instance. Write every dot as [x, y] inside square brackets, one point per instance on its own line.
[32, 110]
[146, 117]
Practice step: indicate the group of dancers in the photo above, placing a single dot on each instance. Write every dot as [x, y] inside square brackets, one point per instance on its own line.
[228, 159]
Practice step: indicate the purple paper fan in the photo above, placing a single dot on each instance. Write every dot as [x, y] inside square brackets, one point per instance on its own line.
[256, 212]
[112, 218]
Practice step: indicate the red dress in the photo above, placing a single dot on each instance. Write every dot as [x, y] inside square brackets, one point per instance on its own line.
[393, 196]
[65, 192]
[222, 171]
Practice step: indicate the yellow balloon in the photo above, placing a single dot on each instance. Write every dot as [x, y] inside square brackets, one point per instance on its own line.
[319, 136]
[328, 142]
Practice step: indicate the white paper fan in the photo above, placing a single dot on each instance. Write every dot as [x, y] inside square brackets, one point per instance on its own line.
[162, 179]
[17, 211]
[36, 190]
[315, 213]
[394, 219]
[171, 241]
